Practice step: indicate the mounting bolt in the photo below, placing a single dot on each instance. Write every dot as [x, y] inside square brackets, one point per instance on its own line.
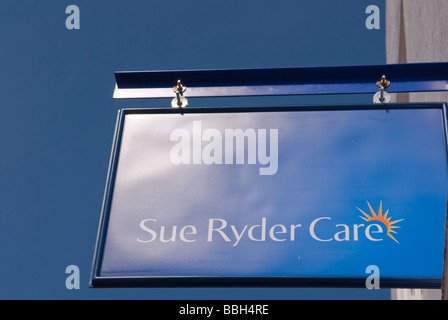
[179, 101]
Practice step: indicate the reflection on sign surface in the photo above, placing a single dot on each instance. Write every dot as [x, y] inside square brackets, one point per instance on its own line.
[294, 194]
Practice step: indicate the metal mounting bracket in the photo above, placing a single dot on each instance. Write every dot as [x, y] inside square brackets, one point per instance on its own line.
[418, 77]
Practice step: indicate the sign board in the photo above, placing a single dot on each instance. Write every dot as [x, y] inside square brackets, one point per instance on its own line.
[287, 196]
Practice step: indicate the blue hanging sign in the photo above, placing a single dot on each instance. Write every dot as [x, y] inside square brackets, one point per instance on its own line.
[288, 196]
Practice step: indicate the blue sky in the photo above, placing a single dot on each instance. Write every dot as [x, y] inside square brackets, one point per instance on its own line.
[58, 115]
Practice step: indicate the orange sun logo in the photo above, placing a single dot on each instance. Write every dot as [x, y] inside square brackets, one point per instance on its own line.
[382, 218]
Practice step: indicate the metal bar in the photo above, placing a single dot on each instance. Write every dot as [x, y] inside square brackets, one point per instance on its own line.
[415, 77]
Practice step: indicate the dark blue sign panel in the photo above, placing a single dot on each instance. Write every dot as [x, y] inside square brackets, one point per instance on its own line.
[276, 197]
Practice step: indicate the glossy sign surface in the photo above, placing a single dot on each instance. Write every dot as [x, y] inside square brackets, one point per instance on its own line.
[267, 196]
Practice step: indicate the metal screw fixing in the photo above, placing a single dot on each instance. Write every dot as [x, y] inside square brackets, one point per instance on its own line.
[180, 101]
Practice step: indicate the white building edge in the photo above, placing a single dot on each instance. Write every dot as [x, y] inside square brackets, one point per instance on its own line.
[417, 31]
